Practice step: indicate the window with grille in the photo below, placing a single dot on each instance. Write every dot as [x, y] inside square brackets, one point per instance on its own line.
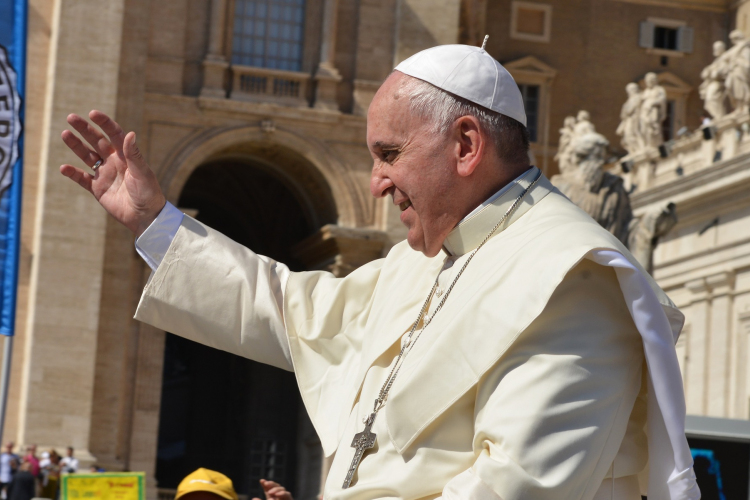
[268, 33]
[268, 460]
[530, 94]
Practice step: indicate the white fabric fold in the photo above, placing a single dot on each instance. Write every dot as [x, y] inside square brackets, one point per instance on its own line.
[671, 475]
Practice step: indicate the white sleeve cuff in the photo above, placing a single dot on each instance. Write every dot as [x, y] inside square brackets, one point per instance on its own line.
[153, 244]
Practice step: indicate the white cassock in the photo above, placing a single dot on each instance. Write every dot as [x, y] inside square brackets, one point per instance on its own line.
[530, 383]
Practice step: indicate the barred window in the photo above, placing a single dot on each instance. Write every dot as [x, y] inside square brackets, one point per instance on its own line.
[268, 33]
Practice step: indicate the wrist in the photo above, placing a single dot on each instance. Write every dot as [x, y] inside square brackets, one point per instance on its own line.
[148, 218]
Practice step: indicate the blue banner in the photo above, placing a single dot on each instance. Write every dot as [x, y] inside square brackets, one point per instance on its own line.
[13, 15]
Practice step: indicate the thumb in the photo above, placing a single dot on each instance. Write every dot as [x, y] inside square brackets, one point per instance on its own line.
[136, 163]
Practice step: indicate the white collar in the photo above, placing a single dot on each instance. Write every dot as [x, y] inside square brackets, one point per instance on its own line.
[473, 228]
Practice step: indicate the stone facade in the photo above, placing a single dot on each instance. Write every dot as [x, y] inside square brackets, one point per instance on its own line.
[702, 262]
[85, 374]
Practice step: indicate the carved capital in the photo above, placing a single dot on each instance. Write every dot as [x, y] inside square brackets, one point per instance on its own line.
[340, 250]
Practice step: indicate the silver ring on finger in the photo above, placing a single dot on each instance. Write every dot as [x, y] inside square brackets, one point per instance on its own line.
[97, 164]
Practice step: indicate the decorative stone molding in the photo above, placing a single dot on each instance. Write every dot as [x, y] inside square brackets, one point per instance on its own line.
[538, 26]
[340, 250]
[721, 283]
[352, 199]
[531, 71]
[715, 285]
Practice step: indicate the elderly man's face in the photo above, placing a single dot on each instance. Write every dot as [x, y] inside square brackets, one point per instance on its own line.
[412, 165]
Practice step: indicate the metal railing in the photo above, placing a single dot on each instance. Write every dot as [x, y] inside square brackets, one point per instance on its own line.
[269, 85]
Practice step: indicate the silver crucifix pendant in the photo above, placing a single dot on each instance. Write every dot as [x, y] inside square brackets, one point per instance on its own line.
[362, 441]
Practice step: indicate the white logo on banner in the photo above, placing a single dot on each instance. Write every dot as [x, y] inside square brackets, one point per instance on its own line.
[10, 120]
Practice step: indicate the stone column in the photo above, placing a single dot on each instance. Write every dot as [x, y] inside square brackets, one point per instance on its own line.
[695, 367]
[215, 64]
[742, 406]
[327, 77]
[56, 390]
[144, 436]
[720, 346]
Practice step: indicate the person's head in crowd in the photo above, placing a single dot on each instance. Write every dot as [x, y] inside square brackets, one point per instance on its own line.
[31, 450]
[9, 447]
[14, 464]
[206, 484]
[70, 451]
[54, 457]
[25, 466]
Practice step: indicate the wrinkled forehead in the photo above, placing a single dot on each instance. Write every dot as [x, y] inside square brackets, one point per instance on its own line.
[391, 92]
[390, 113]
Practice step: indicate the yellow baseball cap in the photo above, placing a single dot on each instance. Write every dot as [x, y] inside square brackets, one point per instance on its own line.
[207, 480]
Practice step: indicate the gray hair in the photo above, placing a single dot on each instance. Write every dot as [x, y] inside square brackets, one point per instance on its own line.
[510, 137]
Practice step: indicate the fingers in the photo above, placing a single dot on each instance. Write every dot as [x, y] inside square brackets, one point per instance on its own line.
[267, 485]
[79, 148]
[76, 174]
[136, 163]
[96, 139]
[279, 492]
[110, 127]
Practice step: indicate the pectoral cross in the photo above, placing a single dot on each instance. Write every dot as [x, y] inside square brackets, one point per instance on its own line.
[362, 441]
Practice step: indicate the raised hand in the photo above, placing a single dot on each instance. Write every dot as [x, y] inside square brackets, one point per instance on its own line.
[274, 491]
[123, 183]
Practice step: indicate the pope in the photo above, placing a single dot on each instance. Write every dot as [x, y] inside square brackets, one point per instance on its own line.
[509, 349]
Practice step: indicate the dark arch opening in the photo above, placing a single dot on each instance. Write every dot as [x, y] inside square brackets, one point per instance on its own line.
[218, 410]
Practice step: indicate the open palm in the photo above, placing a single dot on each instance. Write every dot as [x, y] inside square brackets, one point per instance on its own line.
[123, 183]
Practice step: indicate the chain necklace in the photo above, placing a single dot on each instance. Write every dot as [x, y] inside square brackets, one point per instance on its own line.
[366, 439]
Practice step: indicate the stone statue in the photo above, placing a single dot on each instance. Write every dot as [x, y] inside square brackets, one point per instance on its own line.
[652, 112]
[712, 90]
[564, 154]
[737, 80]
[629, 129]
[603, 196]
[583, 124]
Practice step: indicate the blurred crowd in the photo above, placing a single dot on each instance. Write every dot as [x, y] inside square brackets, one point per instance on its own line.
[27, 476]
[31, 476]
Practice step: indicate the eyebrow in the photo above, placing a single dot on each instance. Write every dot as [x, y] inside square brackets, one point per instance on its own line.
[385, 145]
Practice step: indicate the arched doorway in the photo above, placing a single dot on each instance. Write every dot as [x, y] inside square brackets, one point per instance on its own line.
[218, 410]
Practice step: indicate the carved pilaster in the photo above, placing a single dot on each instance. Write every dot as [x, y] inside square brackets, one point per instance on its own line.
[327, 77]
[215, 64]
[340, 250]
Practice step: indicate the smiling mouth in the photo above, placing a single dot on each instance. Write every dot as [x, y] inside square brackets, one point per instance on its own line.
[403, 206]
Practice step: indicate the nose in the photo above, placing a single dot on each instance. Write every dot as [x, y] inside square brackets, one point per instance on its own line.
[380, 183]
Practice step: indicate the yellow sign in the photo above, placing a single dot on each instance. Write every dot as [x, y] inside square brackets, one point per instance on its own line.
[104, 486]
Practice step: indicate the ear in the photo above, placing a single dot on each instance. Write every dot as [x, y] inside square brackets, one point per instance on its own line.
[470, 145]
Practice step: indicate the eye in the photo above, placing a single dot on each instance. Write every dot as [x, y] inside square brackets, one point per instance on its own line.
[389, 155]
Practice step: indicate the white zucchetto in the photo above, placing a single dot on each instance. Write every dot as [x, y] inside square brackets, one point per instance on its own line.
[468, 72]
